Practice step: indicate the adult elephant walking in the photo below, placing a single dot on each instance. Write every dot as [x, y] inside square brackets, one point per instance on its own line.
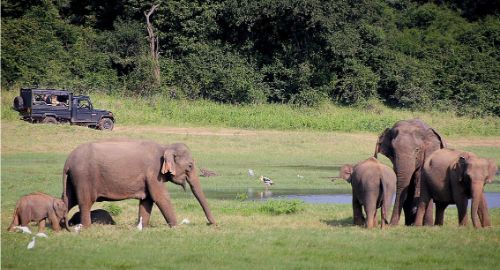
[129, 169]
[407, 144]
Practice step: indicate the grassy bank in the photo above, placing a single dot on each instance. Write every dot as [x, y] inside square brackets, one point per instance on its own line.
[160, 111]
[248, 236]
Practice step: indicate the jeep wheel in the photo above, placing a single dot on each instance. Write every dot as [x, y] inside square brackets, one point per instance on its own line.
[18, 103]
[49, 120]
[106, 124]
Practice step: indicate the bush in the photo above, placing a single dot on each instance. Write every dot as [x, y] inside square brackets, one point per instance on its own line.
[220, 76]
[280, 207]
[113, 209]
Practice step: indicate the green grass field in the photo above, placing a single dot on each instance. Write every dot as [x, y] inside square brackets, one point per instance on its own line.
[320, 236]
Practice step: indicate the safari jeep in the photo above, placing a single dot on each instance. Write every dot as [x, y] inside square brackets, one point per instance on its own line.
[60, 106]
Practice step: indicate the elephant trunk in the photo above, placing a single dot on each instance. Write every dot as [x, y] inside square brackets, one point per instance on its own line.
[477, 199]
[194, 183]
[66, 225]
[404, 168]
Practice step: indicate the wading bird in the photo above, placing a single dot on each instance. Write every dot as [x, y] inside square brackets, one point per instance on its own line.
[267, 181]
[139, 226]
[31, 244]
[23, 229]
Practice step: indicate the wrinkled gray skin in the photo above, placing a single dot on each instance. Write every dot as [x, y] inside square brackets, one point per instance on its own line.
[38, 207]
[373, 185]
[453, 177]
[407, 144]
[130, 169]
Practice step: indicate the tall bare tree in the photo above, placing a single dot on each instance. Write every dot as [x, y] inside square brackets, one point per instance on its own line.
[153, 45]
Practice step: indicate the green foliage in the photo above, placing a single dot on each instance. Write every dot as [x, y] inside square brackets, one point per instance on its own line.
[220, 76]
[241, 197]
[40, 48]
[113, 209]
[409, 54]
[282, 207]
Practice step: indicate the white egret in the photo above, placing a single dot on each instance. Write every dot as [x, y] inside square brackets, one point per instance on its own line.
[41, 234]
[23, 229]
[139, 226]
[78, 228]
[31, 244]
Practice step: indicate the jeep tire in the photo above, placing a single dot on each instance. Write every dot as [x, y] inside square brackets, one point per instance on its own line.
[49, 120]
[18, 103]
[106, 124]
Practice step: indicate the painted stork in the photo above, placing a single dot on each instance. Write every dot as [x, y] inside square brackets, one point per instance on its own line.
[267, 181]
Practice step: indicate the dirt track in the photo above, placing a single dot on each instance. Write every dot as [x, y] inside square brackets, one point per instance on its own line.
[195, 131]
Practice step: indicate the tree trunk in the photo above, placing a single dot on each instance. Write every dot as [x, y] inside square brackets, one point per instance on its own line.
[153, 45]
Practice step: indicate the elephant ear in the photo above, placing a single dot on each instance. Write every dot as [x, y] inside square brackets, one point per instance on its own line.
[168, 162]
[346, 172]
[492, 170]
[384, 144]
[442, 143]
[59, 208]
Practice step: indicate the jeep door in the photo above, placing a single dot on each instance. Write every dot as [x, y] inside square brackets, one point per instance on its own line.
[83, 111]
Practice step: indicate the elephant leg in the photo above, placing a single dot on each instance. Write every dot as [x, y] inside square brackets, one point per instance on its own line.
[85, 213]
[440, 207]
[41, 225]
[408, 209]
[371, 216]
[55, 222]
[428, 214]
[398, 206]
[25, 220]
[358, 218]
[422, 205]
[484, 216]
[162, 199]
[383, 218]
[145, 207]
[462, 211]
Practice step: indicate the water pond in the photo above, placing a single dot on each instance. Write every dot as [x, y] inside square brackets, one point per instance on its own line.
[312, 196]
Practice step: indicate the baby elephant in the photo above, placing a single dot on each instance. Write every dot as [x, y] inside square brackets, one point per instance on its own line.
[373, 185]
[452, 177]
[38, 207]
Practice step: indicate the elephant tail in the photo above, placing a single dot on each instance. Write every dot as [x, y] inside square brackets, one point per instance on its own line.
[386, 202]
[15, 218]
[67, 192]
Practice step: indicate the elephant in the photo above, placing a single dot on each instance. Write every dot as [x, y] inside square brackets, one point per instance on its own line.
[113, 170]
[373, 185]
[98, 216]
[452, 177]
[39, 207]
[407, 144]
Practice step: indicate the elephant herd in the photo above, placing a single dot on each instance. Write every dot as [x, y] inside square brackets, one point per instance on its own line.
[425, 171]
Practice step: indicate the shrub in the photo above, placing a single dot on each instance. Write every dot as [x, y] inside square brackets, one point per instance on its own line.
[113, 209]
[280, 207]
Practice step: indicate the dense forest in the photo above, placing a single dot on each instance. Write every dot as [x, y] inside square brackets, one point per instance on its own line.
[441, 54]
